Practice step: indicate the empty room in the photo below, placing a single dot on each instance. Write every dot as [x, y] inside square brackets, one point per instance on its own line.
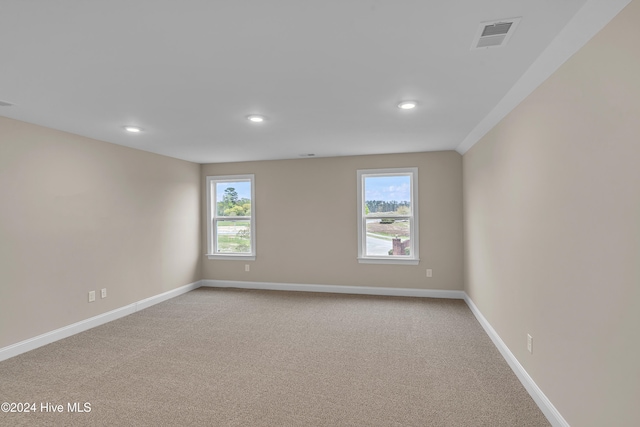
[320, 213]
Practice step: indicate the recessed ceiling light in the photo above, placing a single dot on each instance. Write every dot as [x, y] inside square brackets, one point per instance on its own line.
[307, 155]
[133, 129]
[407, 105]
[5, 104]
[256, 118]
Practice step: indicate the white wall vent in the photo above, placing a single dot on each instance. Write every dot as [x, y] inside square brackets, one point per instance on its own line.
[494, 33]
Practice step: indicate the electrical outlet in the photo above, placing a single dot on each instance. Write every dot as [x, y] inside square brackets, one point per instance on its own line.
[103, 293]
[530, 343]
[429, 272]
[92, 296]
[246, 267]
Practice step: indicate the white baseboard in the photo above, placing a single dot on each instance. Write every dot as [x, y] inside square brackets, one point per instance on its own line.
[83, 325]
[532, 388]
[358, 290]
[545, 405]
[538, 396]
[156, 299]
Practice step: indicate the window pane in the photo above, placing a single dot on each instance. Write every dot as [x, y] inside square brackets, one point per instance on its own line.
[388, 236]
[233, 198]
[387, 195]
[233, 236]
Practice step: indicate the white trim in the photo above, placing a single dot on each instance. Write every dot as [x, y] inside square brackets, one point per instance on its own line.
[336, 289]
[545, 405]
[394, 260]
[211, 253]
[83, 325]
[589, 20]
[232, 257]
[414, 234]
[156, 299]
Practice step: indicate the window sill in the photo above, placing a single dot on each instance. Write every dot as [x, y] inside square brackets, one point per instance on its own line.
[372, 260]
[232, 257]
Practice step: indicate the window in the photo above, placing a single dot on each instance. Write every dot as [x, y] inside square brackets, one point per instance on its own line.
[231, 212]
[388, 216]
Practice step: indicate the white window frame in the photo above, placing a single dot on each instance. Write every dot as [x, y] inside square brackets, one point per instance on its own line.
[212, 217]
[414, 258]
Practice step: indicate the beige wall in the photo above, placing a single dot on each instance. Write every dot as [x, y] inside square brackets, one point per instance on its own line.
[552, 229]
[307, 223]
[79, 215]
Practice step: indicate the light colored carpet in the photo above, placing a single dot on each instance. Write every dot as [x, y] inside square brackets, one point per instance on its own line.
[229, 357]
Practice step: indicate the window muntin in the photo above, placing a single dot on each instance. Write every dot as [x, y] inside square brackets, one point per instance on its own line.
[231, 212]
[387, 216]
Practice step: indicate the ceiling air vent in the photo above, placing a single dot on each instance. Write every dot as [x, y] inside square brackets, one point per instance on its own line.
[494, 33]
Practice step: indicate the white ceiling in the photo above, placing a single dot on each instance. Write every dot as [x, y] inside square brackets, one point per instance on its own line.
[328, 74]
